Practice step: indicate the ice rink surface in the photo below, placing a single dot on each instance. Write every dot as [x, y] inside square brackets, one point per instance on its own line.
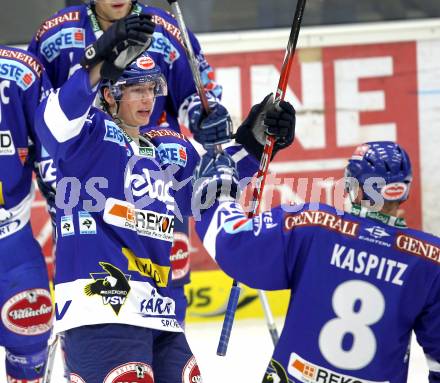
[249, 352]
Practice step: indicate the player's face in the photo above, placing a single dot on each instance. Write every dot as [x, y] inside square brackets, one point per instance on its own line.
[137, 104]
[113, 9]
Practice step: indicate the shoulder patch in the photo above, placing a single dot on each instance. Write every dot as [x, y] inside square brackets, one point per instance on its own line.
[55, 21]
[418, 247]
[25, 58]
[63, 39]
[151, 134]
[323, 219]
[17, 72]
[169, 27]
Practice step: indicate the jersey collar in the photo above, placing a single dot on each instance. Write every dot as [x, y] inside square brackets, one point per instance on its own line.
[136, 9]
[390, 220]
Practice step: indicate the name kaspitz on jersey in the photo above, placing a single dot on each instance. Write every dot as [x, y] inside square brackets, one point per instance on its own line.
[368, 264]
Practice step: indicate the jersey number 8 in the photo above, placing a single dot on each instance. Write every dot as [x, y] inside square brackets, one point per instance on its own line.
[358, 305]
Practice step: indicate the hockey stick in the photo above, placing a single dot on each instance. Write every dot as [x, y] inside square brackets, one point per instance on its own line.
[235, 292]
[50, 360]
[191, 57]
[261, 178]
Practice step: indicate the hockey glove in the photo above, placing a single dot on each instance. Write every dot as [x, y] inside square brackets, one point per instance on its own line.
[215, 178]
[209, 130]
[122, 43]
[267, 118]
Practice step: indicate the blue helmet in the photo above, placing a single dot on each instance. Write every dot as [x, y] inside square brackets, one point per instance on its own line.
[383, 159]
[141, 71]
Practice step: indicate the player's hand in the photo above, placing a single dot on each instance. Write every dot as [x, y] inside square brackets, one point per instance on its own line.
[209, 130]
[215, 178]
[122, 43]
[267, 118]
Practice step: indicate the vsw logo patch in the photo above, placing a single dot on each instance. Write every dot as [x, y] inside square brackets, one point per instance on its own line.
[113, 286]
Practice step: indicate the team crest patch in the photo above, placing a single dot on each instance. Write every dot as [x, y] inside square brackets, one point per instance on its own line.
[133, 372]
[74, 378]
[394, 191]
[179, 256]
[112, 286]
[28, 312]
[191, 372]
[11, 379]
[172, 154]
[145, 62]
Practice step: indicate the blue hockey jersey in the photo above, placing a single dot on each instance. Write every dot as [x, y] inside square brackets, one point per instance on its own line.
[360, 283]
[60, 41]
[116, 208]
[23, 82]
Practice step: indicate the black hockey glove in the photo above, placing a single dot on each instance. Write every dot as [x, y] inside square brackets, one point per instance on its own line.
[122, 43]
[267, 118]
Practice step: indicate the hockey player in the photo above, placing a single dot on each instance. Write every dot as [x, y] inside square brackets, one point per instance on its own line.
[361, 280]
[59, 44]
[117, 198]
[26, 307]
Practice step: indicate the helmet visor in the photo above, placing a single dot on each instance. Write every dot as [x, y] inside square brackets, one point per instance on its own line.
[151, 84]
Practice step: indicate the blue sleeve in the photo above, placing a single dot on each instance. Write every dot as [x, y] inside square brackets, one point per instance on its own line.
[183, 183]
[39, 91]
[61, 118]
[247, 164]
[240, 245]
[427, 329]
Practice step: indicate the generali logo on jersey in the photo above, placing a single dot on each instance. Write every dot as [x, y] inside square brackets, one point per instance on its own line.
[321, 218]
[418, 247]
[51, 23]
[28, 312]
